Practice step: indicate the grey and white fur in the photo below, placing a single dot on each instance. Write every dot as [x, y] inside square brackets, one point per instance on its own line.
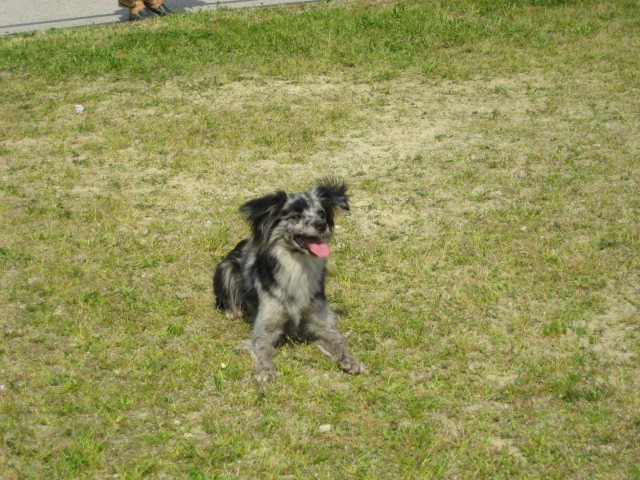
[277, 276]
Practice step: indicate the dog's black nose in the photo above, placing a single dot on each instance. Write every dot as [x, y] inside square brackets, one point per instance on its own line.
[321, 225]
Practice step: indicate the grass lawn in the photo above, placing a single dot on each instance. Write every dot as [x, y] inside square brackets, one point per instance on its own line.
[488, 273]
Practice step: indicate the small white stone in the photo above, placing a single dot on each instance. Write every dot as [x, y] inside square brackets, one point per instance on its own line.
[79, 109]
[223, 365]
[325, 428]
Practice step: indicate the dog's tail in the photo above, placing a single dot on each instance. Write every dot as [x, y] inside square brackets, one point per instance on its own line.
[227, 283]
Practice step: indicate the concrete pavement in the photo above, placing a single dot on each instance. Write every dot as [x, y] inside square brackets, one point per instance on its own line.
[29, 15]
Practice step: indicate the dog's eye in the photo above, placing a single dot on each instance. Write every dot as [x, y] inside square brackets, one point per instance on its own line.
[295, 217]
[321, 214]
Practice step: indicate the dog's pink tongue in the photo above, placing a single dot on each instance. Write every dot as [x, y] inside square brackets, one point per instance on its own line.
[318, 248]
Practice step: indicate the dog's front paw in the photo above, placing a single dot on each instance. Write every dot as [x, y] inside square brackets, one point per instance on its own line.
[352, 365]
[264, 376]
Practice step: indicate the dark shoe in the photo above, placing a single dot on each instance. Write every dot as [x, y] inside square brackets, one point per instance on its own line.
[142, 14]
[161, 10]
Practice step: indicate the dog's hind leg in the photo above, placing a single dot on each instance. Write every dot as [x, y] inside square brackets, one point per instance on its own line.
[227, 287]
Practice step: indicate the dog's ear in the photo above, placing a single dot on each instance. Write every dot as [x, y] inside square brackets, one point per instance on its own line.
[332, 193]
[261, 213]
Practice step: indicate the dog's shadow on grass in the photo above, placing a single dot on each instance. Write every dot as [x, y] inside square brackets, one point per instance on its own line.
[339, 310]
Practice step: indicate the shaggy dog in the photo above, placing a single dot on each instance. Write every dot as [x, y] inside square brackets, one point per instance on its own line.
[277, 276]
